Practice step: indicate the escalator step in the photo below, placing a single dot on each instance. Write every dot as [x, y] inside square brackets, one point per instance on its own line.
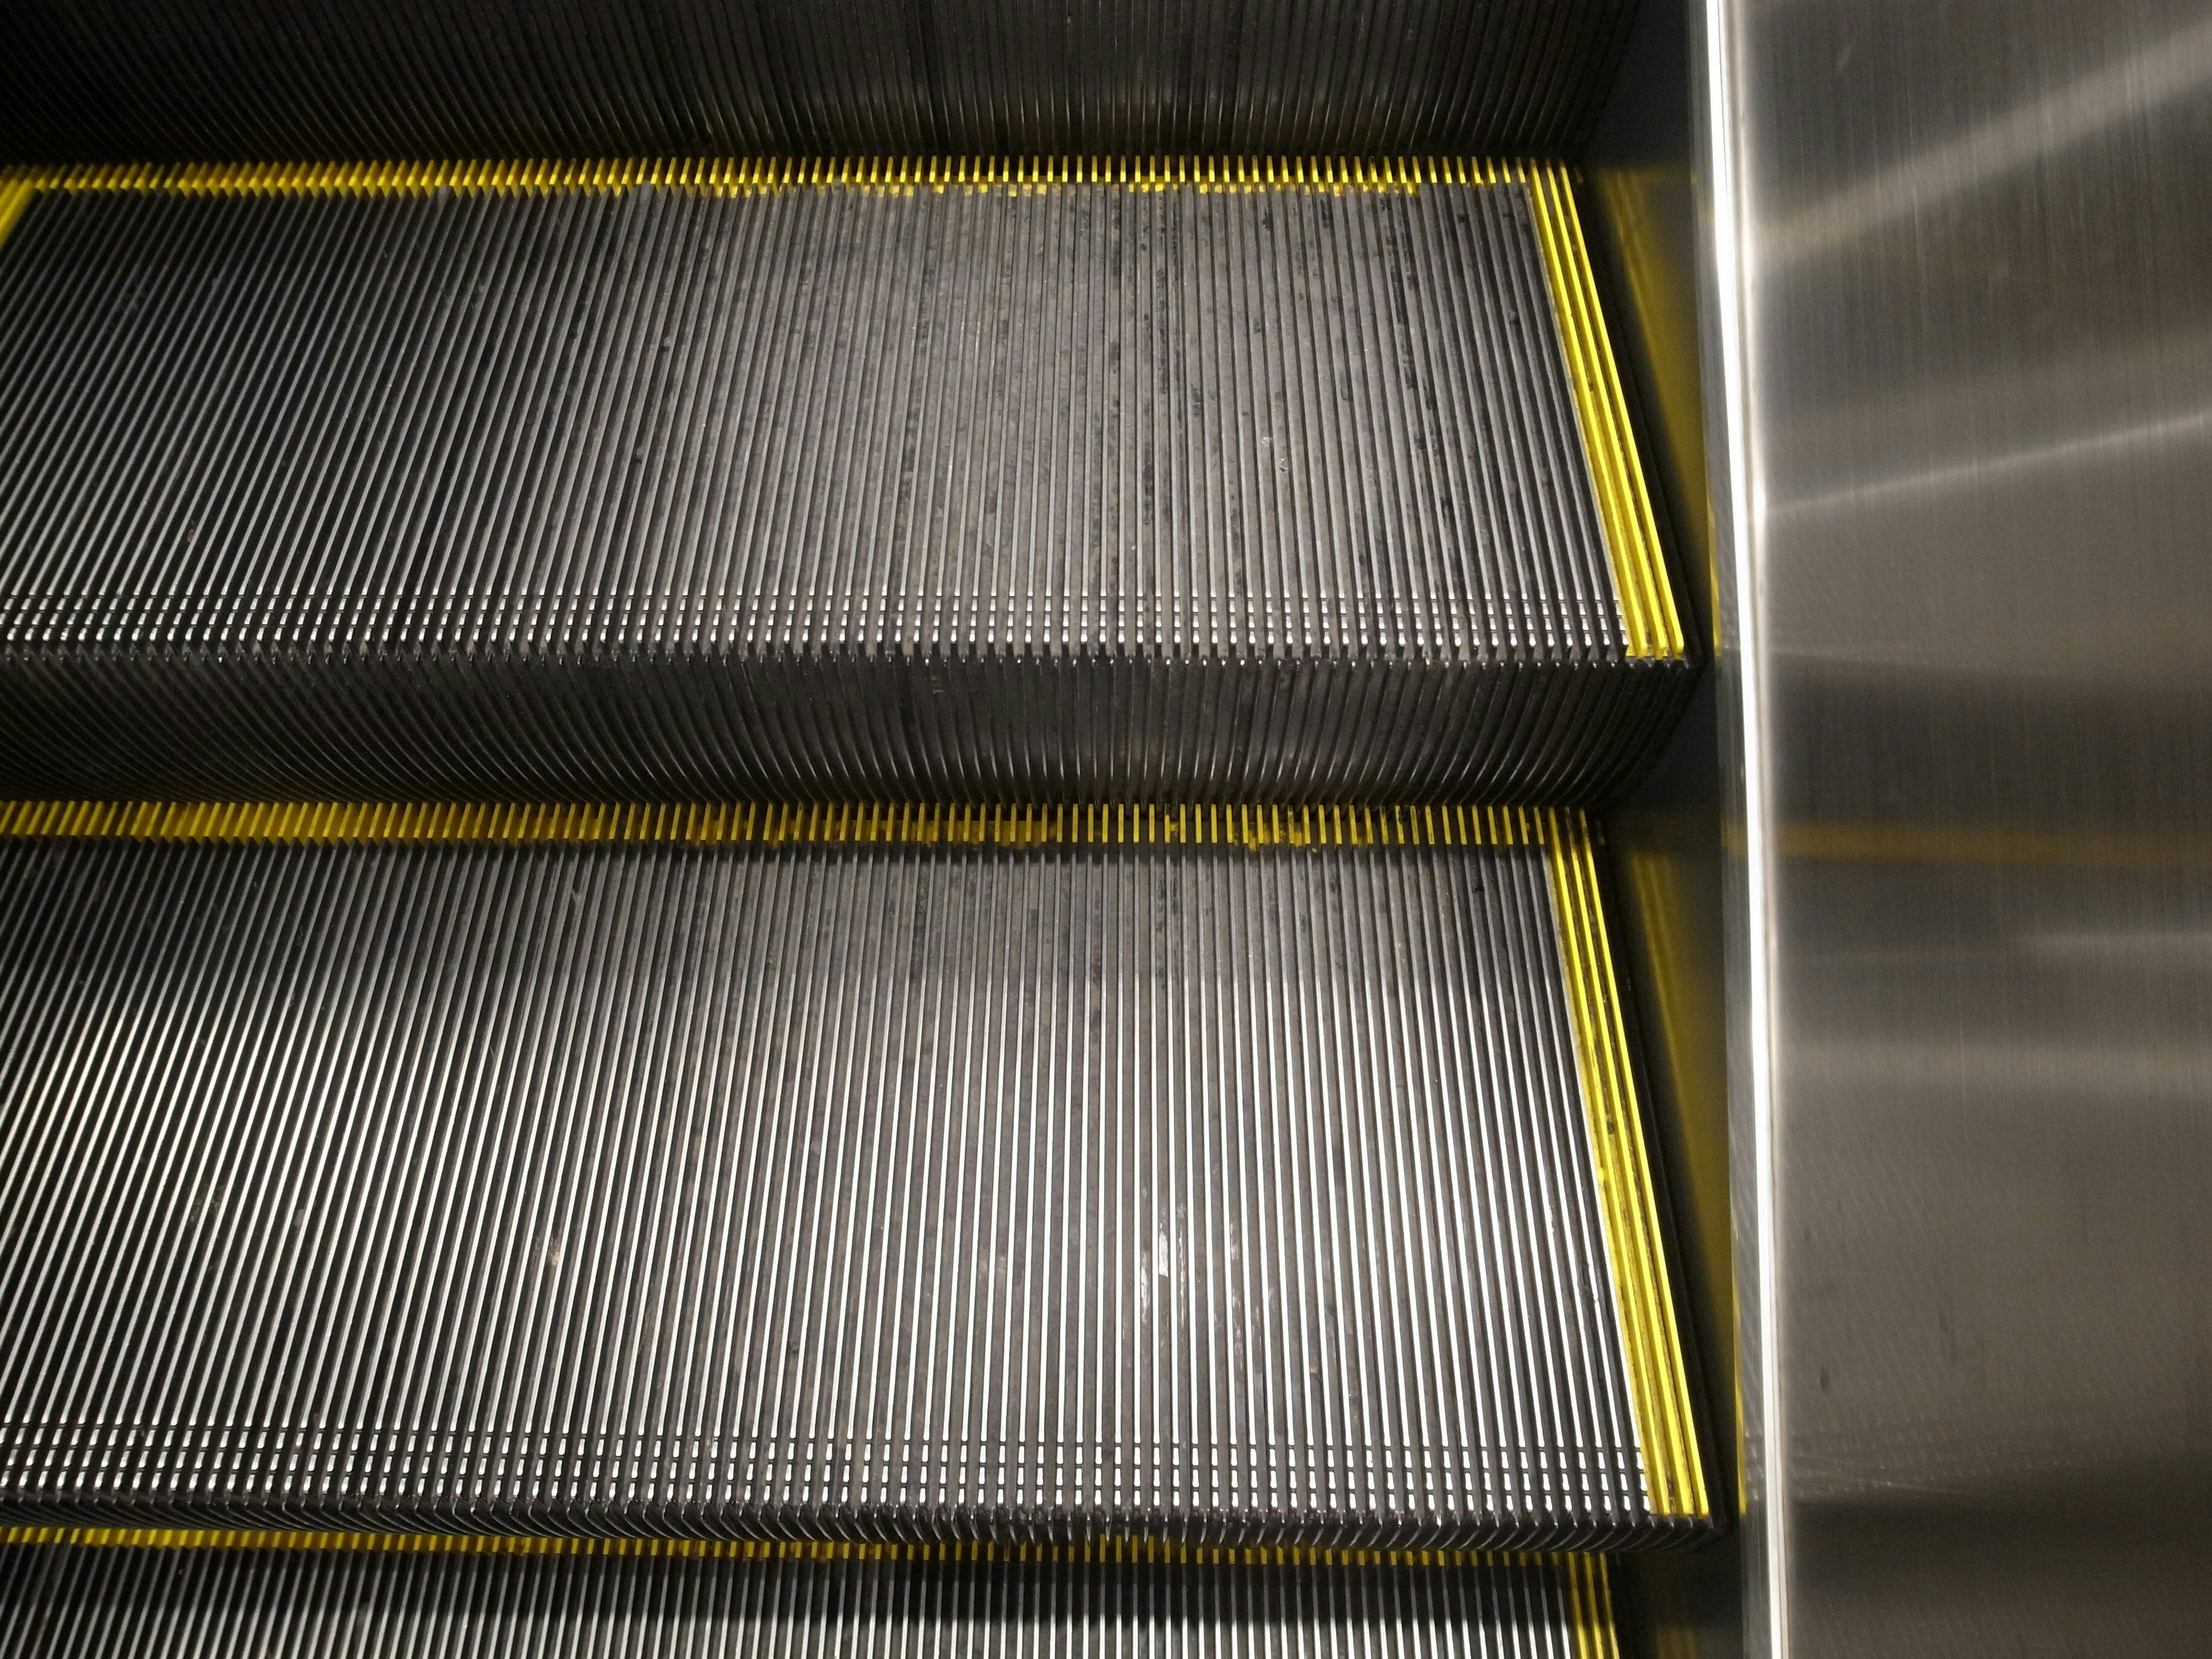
[1219, 480]
[58, 1600]
[1220, 1176]
[256, 80]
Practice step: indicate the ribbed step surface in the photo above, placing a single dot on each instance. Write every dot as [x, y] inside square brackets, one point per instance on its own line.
[1030, 486]
[260, 80]
[1228, 1177]
[63, 1602]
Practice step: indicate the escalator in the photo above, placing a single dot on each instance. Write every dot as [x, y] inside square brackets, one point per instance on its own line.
[844, 900]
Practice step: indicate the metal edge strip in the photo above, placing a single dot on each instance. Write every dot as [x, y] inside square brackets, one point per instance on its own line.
[1727, 279]
[1646, 595]
[1584, 1575]
[1651, 1341]
[754, 175]
[768, 824]
[1589, 1606]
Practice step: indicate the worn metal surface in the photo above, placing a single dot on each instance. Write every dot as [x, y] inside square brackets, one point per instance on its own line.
[879, 1188]
[278, 80]
[1207, 484]
[57, 1602]
[1963, 337]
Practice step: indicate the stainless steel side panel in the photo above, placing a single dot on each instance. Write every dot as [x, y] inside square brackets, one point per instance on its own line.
[1958, 381]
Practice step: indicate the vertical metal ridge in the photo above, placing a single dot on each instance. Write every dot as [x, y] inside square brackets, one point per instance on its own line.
[1658, 1375]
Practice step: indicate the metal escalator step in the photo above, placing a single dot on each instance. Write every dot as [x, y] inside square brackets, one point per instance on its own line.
[247, 80]
[58, 1600]
[1049, 481]
[1224, 1176]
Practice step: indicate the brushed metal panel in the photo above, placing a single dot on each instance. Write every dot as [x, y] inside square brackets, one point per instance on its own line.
[1961, 354]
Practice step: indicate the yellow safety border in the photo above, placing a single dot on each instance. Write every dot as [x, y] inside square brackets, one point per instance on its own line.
[769, 823]
[1674, 1478]
[1589, 1606]
[895, 175]
[758, 175]
[1651, 1338]
[1650, 624]
[1133, 1550]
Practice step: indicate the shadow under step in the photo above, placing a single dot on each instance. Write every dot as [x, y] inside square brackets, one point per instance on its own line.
[253, 80]
[1220, 1176]
[1293, 480]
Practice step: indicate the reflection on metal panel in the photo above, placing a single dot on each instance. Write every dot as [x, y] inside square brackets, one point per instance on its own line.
[1961, 380]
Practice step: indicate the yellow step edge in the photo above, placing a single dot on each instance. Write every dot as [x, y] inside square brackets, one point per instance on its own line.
[1652, 624]
[1104, 1550]
[776, 823]
[1589, 1607]
[740, 175]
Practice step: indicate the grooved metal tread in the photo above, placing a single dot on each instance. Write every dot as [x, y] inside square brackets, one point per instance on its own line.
[1216, 1175]
[248, 79]
[953, 479]
[58, 1600]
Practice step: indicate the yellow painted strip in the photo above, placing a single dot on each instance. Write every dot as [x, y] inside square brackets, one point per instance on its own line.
[16, 192]
[1106, 1550]
[759, 823]
[1589, 1607]
[1658, 1381]
[1648, 616]
[732, 176]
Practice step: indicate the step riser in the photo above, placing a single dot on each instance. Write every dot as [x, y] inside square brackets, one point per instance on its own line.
[787, 725]
[365, 78]
[230, 1604]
